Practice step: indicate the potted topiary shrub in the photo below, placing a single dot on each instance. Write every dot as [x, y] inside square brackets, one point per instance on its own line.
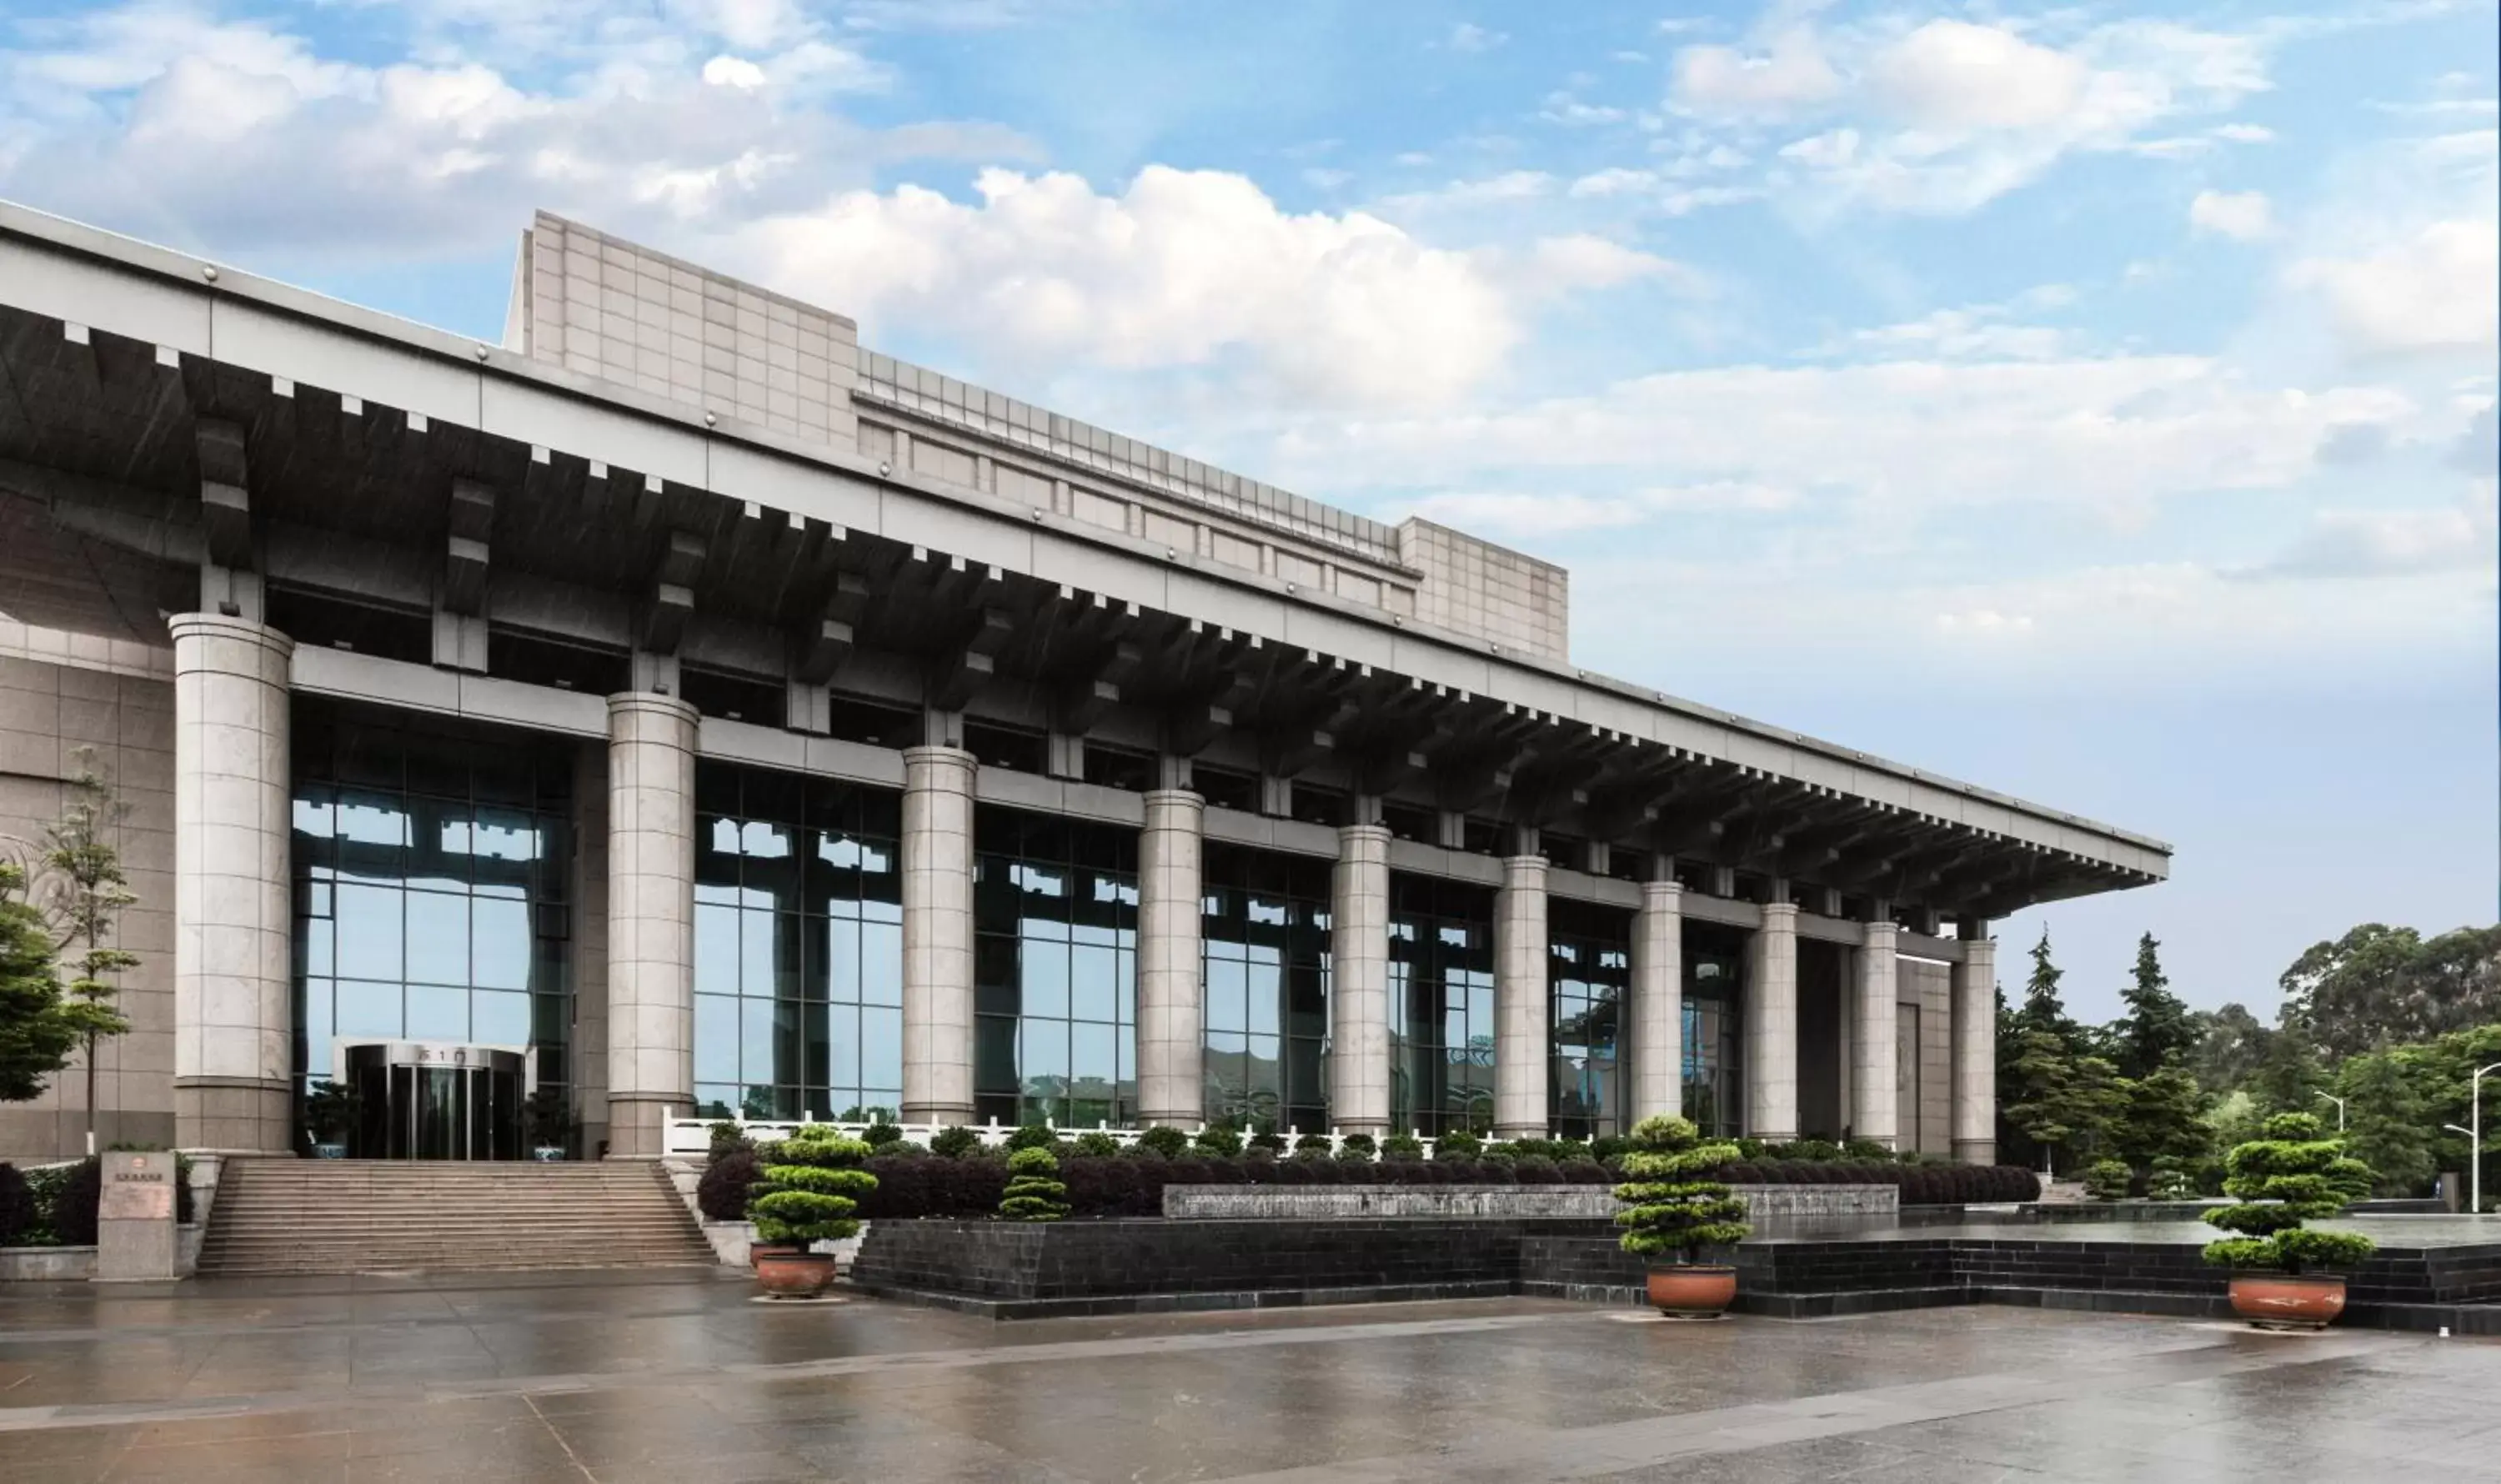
[1035, 1191]
[2287, 1176]
[812, 1185]
[2106, 1179]
[1673, 1209]
[547, 1119]
[330, 1111]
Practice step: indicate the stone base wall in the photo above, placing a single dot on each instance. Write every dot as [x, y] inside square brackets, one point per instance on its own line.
[1519, 1202]
[1099, 1258]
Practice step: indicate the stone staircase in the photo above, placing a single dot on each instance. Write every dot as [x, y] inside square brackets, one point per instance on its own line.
[277, 1215]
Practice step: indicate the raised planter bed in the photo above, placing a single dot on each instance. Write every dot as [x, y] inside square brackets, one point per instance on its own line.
[1528, 1203]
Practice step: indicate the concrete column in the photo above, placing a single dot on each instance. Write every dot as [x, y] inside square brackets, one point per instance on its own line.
[1521, 1030]
[1359, 981]
[1975, 1053]
[937, 935]
[1770, 1026]
[234, 1001]
[1172, 981]
[1875, 1075]
[651, 920]
[1658, 1007]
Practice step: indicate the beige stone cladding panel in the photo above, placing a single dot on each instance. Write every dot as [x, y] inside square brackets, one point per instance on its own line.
[590, 1059]
[1874, 1076]
[1360, 982]
[1487, 591]
[1520, 1057]
[1171, 993]
[937, 935]
[650, 919]
[623, 314]
[1658, 1002]
[117, 699]
[1929, 986]
[233, 914]
[1772, 1027]
[1975, 1054]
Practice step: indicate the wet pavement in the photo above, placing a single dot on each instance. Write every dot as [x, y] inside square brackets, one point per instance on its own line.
[1981, 1224]
[619, 1378]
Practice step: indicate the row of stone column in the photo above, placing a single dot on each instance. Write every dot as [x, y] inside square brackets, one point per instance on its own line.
[233, 968]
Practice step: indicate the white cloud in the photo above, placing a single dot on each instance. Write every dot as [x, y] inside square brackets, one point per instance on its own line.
[2245, 134]
[1977, 333]
[1788, 76]
[2393, 543]
[1178, 269]
[1570, 112]
[2434, 291]
[733, 72]
[1518, 514]
[2242, 216]
[1952, 76]
[1468, 36]
[1495, 191]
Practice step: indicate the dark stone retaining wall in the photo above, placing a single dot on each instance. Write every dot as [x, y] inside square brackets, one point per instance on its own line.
[1099, 1258]
[1119, 1266]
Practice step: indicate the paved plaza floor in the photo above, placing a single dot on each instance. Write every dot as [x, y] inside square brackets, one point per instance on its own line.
[619, 1378]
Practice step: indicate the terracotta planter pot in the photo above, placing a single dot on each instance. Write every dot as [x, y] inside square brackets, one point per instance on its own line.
[2274, 1300]
[788, 1274]
[757, 1252]
[1694, 1291]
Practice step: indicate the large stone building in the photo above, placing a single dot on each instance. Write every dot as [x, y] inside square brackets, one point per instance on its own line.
[685, 707]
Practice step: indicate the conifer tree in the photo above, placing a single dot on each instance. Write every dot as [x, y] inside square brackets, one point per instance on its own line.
[2158, 1027]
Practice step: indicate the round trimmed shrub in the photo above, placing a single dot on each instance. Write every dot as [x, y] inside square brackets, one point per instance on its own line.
[1585, 1172]
[721, 1193]
[879, 1134]
[1217, 1142]
[1294, 1172]
[16, 1206]
[1162, 1142]
[1671, 1207]
[1402, 1146]
[1304, 1143]
[1033, 1136]
[1096, 1144]
[1034, 1189]
[954, 1143]
[1537, 1170]
[2106, 1179]
[1268, 1139]
[2283, 1179]
[1457, 1144]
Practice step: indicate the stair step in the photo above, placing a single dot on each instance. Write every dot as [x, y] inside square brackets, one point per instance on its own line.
[276, 1216]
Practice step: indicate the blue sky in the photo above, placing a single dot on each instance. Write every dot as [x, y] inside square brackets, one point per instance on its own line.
[2095, 403]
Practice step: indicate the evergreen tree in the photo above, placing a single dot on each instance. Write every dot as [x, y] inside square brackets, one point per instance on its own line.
[2044, 1009]
[2157, 1028]
[2390, 1124]
[38, 1029]
[90, 891]
[2164, 1119]
[2068, 1104]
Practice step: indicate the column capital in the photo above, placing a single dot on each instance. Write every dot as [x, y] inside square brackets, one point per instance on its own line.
[1348, 835]
[1883, 930]
[650, 703]
[1518, 868]
[217, 625]
[1780, 917]
[1667, 895]
[1176, 799]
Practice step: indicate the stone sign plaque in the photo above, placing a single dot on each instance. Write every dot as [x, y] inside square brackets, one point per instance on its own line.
[134, 1227]
[137, 1187]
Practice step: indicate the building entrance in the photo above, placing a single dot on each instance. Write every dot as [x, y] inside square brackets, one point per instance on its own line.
[422, 1100]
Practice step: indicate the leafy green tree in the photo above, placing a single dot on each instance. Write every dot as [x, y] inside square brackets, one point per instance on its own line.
[2069, 1102]
[2232, 1045]
[2157, 1028]
[89, 892]
[39, 1028]
[1671, 1205]
[2388, 1121]
[2288, 1077]
[2379, 985]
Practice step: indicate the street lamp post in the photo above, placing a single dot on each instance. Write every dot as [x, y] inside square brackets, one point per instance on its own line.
[2475, 1136]
[2340, 1109]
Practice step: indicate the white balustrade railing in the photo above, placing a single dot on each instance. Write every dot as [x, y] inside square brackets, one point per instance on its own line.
[692, 1137]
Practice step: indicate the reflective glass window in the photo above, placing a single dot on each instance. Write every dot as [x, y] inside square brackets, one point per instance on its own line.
[798, 946]
[1714, 998]
[1054, 962]
[1588, 979]
[433, 872]
[1265, 945]
[1441, 1005]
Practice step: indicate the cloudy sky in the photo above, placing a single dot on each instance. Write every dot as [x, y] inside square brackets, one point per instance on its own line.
[2096, 403]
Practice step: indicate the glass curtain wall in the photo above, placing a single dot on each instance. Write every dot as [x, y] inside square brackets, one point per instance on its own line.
[1589, 974]
[798, 946]
[433, 895]
[1265, 928]
[1441, 1005]
[1054, 969]
[1715, 999]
